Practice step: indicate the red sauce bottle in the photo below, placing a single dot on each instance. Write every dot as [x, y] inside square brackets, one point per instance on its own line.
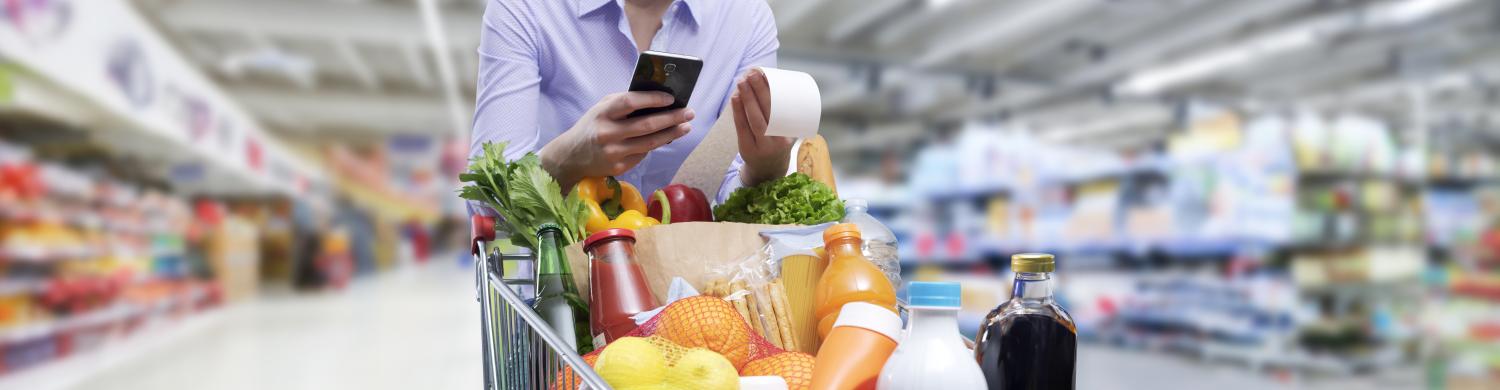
[617, 287]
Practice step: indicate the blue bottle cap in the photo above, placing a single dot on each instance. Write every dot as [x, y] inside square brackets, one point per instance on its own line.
[932, 294]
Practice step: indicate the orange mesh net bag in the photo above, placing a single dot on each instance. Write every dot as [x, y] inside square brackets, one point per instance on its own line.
[714, 324]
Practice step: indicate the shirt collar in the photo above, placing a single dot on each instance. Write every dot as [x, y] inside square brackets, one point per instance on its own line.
[695, 7]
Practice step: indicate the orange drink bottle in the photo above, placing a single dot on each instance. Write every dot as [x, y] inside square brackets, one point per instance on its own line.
[856, 349]
[850, 277]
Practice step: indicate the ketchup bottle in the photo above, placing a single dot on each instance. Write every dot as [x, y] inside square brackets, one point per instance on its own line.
[618, 288]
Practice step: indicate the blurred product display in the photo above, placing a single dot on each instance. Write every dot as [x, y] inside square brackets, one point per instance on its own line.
[1289, 194]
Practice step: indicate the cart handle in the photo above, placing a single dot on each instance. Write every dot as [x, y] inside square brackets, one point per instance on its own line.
[481, 229]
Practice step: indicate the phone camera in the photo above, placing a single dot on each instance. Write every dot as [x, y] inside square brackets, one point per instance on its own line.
[669, 68]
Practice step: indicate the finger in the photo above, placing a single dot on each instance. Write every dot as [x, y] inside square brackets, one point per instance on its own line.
[623, 104]
[762, 87]
[753, 112]
[649, 142]
[648, 124]
[741, 125]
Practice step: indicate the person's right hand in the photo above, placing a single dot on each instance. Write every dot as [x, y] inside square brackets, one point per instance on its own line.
[605, 143]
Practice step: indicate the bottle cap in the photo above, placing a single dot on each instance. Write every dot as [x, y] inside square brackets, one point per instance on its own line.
[933, 294]
[1032, 262]
[841, 230]
[548, 225]
[608, 234]
[870, 316]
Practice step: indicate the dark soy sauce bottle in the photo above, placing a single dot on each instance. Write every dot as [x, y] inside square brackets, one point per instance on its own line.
[1029, 342]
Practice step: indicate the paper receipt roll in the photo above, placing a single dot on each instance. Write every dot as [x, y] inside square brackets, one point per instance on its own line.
[796, 105]
[796, 108]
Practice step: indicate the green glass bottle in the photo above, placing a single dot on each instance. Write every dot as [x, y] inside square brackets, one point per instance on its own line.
[557, 298]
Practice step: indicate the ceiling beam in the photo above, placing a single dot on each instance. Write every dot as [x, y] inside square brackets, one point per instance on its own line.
[1035, 17]
[869, 15]
[357, 64]
[328, 109]
[365, 23]
[417, 64]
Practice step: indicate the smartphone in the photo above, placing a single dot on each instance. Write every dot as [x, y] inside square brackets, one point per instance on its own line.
[674, 74]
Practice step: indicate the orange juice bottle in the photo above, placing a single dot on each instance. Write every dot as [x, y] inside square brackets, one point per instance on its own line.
[849, 278]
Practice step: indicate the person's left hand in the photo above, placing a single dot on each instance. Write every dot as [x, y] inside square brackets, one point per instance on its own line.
[766, 157]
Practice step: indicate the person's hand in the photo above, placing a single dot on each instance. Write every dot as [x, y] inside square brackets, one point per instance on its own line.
[605, 143]
[766, 157]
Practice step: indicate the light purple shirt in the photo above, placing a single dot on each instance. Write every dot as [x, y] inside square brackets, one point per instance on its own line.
[543, 63]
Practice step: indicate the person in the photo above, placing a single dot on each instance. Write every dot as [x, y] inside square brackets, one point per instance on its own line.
[553, 77]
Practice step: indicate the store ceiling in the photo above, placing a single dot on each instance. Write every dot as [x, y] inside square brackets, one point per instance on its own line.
[1107, 72]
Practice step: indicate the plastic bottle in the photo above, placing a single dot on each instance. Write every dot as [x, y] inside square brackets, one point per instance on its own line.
[932, 354]
[879, 242]
[856, 349]
[849, 278]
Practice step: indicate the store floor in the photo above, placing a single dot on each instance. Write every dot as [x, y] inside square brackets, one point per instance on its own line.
[410, 329]
[414, 329]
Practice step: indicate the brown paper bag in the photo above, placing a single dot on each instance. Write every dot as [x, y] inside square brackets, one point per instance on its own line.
[690, 250]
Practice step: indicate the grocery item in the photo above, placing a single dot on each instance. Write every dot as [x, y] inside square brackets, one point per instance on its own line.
[618, 286]
[814, 161]
[1028, 342]
[557, 299]
[631, 219]
[678, 203]
[702, 369]
[523, 194]
[879, 245]
[612, 204]
[631, 362]
[707, 322]
[856, 349]
[799, 280]
[763, 306]
[849, 278]
[794, 199]
[932, 354]
[794, 367]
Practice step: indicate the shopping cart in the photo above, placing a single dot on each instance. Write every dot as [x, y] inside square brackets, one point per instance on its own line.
[520, 350]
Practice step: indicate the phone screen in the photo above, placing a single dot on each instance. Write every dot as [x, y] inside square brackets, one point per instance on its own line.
[674, 74]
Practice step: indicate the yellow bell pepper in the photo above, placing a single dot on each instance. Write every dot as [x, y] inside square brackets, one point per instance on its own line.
[597, 192]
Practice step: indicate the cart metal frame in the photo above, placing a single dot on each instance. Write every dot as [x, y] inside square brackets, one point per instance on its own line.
[520, 350]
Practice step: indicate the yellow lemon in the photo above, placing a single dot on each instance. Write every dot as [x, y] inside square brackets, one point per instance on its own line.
[631, 362]
[703, 369]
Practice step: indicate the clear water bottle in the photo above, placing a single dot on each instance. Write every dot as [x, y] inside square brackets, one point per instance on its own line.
[879, 241]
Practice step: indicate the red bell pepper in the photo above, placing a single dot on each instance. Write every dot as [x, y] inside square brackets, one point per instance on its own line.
[683, 204]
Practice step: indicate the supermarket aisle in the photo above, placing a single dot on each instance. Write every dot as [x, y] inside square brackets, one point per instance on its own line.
[409, 329]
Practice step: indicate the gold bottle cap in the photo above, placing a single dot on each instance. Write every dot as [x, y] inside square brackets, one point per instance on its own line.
[1032, 262]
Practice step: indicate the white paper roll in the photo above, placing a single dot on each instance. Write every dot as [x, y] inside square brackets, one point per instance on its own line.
[796, 105]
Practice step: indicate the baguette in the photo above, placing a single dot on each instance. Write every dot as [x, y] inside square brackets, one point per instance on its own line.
[813, 160]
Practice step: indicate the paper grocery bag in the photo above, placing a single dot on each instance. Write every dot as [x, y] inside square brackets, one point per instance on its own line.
[693, 251]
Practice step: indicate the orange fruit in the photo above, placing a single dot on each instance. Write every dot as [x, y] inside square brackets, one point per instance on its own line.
[795, 367]
[566, 380]
[709, 323]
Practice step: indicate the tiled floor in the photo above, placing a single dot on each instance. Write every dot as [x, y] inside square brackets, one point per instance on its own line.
[410, 329]
[416, 329]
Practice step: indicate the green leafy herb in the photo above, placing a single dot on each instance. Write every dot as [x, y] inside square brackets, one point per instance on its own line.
[524, 194]
[795, 199]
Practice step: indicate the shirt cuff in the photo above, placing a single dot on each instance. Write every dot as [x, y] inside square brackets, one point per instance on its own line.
[731, 180]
